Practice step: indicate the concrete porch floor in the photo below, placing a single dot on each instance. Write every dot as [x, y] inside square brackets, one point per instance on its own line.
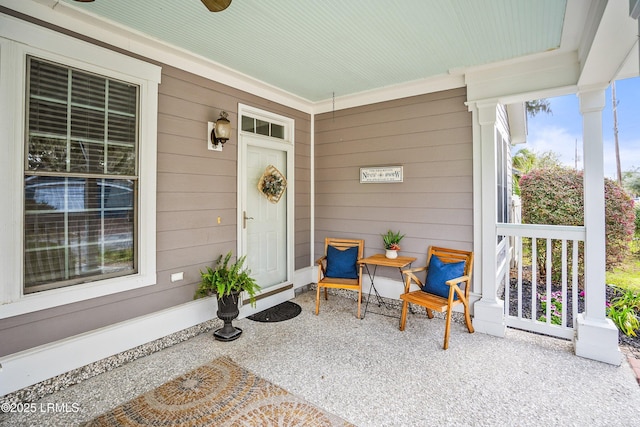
[371, 374]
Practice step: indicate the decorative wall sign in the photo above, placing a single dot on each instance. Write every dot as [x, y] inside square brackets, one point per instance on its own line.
[272, 184]
[381, 174]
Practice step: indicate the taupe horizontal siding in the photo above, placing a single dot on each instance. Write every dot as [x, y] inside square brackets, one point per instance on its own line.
[195, 186]
[431, 137]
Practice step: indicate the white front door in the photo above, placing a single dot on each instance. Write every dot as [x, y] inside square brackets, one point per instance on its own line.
[266, 226]
[265, 222]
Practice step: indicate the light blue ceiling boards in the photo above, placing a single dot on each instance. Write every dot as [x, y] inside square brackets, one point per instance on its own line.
[314, 48]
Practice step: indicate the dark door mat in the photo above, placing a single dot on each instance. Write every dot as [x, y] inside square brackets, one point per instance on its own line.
[278, 313]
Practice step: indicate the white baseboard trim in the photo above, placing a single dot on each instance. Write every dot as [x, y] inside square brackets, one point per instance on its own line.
[304, 276]
[32, 366]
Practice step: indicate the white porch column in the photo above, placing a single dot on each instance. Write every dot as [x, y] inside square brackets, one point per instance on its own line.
[596, 335]
[489, 310]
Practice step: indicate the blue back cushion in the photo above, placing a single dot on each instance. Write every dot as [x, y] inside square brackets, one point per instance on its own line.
[438, 273]
[342, 264]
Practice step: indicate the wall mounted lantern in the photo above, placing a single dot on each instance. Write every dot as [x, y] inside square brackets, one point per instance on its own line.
[219, 132]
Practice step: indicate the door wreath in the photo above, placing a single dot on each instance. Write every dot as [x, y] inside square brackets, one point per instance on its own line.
[272, 184]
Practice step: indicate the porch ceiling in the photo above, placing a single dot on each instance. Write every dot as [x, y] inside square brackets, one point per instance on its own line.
[315, 49]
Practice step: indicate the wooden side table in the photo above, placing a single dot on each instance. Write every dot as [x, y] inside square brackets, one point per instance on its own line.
[382, 261]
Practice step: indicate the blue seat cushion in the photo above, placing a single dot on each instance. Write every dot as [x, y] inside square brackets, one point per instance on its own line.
[342, 264]
[437, 275]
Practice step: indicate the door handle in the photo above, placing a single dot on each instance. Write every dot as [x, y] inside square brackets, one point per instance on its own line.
[245, 218]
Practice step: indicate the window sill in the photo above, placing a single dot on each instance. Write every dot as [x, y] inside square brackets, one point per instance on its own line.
[56, 297]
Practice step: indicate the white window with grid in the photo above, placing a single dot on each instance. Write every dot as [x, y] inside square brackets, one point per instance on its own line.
[78, 135]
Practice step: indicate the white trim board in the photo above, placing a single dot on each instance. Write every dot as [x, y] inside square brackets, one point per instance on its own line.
[304, 276]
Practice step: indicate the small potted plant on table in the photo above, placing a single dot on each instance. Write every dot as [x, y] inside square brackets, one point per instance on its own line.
[391, 243]
[226, 281]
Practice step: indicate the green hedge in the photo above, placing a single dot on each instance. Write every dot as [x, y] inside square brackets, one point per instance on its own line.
[555, 196]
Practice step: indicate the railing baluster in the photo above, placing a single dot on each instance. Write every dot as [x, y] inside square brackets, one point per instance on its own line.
[506, 278]
[565, 299]
[549, 260]
[534, 275]
[574, 284]
[519, 243]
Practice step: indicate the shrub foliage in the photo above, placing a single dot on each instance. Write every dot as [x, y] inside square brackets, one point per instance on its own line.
[555, 196]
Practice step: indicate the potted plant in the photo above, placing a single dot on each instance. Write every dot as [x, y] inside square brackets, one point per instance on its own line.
[391, 243]
[227, 280]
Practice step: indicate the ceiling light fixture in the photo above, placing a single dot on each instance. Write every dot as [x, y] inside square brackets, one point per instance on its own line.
[216, 5]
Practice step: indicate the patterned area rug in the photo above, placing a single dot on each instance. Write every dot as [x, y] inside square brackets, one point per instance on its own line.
[219, 393]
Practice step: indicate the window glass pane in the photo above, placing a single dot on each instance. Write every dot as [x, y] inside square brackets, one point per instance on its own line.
[248, 124]
[47, 154]
[277, 131]
[262, 127]
[86, 157]
[48, 81]
[47, 117]
[121, 159]
[87, 90]
[122, 128]
[87, 124]
[77, 228]
[123, 98]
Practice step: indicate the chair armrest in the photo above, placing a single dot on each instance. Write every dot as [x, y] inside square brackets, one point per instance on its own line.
[322, 269]
[411, 277]
[458, 280]
[453, 283]
[414, 270]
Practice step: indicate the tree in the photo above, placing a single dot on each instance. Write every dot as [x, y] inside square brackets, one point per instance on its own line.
[549, 160]
[525, 160]
[537, 106]
[631, 181]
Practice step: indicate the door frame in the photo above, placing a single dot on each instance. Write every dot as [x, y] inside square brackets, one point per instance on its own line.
[284, 291]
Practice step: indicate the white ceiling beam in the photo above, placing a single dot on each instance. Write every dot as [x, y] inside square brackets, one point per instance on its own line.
[538, 73]
[615, 40]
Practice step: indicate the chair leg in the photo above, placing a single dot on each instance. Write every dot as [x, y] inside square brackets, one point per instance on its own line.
[326, 295]
[318, 299]
[429, 313]
[403, 315]
[446, 330]
[467, 319]
[359, 302]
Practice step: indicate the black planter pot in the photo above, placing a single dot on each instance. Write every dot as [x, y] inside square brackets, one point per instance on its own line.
[227, 311]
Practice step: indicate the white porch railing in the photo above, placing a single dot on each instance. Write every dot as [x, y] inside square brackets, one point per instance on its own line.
[546, 306]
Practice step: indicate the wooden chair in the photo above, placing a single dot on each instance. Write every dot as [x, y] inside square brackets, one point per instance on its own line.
[445, 293]
[339, 268]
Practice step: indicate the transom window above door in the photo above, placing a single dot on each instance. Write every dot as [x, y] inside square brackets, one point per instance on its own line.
[262, 127]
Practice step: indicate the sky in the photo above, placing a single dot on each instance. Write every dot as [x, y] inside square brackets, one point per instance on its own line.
[559, 131]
